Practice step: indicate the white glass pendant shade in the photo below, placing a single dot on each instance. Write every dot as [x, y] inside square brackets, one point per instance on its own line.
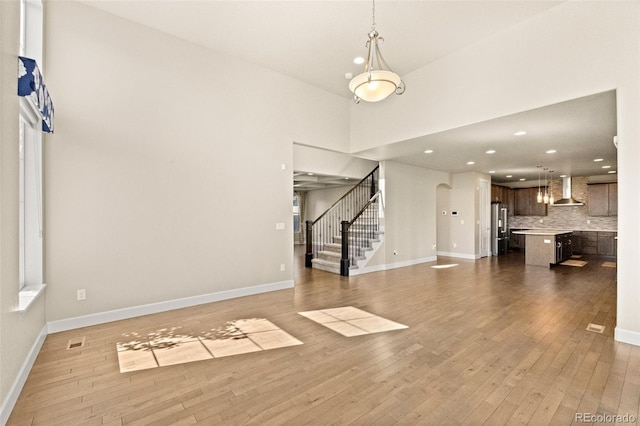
[375, 86]
[539, 198]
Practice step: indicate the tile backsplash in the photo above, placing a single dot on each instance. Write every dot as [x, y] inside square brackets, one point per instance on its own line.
[569, 217]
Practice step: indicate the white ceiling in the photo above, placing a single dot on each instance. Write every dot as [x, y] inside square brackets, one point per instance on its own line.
[316, 41]
[579, 131]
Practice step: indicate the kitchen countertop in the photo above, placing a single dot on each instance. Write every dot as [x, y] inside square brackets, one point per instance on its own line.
[572, 230]
[542, 232]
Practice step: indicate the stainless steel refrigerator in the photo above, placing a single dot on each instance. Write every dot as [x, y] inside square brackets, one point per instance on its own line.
[499, 229]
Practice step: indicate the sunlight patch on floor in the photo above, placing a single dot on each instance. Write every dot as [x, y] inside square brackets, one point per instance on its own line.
[448, 265]
[350, 321]
[170, 347]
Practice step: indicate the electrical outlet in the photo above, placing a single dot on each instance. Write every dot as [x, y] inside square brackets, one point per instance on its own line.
[434, 246]
[282, 267]
[455, 245]
[81, 294]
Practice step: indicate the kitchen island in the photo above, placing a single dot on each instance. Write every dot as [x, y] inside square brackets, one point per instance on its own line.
[546, 247]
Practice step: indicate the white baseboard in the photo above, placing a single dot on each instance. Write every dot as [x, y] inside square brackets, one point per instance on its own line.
[14, 392]
[627, 336]
[377, 268]
[459, 255]
[152, 308]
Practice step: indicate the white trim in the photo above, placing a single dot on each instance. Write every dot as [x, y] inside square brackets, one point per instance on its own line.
[30, 113]
[377, 268]
[627, 336]
[28, 295]
[14, 392]
[459, 255]
[152, 308]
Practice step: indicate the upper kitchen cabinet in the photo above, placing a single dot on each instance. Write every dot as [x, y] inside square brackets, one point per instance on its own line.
[504, 195]
[525, 203]
[603, 199]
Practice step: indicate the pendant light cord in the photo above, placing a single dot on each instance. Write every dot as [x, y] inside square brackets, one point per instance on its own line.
[373, 15]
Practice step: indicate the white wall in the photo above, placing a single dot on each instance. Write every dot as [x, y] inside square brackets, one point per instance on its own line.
[165, 169]
[409, 197]
[322, 161]
[319, 200]
[572, 50]
[18, 333]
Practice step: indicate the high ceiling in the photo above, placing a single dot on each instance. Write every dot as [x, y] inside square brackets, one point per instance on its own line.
[316, 42]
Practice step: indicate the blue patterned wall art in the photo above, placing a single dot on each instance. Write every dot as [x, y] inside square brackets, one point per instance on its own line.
[30, 84]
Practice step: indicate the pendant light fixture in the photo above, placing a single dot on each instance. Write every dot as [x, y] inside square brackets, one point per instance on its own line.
[375, 84]
[539, 197]
[545, 198]
[551, 199]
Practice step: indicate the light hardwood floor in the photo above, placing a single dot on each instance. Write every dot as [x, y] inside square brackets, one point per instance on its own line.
[489, 342]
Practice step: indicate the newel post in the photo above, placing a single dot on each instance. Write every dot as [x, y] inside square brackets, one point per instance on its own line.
[344, 261]
[309, 254]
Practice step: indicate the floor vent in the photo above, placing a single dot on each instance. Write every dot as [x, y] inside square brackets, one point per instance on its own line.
[78, 342]
[595, 328]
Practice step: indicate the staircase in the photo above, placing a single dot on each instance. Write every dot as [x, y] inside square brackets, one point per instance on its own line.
[364, 240]
[356, 216]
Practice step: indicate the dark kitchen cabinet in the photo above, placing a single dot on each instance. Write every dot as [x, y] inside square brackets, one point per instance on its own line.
[606, 243]
[603, 199]
[594, 242]
[516, 241]
[589, 242]
[526, 204]
[576, 242]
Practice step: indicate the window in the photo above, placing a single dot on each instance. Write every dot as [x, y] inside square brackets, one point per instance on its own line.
[30, 255]
[30, 205]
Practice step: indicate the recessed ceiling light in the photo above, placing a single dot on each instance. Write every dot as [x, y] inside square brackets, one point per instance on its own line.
[563, 175]
[606, 167]
[551, 151]
[520, 133]
[491, 151]
[346, 178]
[470, 162]
[522, 179]
[509, 176]
[310, 174]
[348, 75]
[492, 171]
[611, 171]
[358, 60]
[598, 159]
[429, 151]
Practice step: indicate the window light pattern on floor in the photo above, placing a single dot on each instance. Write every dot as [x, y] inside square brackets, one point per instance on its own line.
[350, 321]
[169, 346]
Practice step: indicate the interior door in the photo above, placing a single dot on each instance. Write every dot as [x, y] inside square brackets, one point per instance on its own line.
[484, 207]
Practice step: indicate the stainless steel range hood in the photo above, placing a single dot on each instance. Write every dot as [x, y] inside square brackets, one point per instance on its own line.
[567, 199]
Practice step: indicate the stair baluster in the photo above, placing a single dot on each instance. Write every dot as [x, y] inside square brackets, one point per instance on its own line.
[348, 210]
